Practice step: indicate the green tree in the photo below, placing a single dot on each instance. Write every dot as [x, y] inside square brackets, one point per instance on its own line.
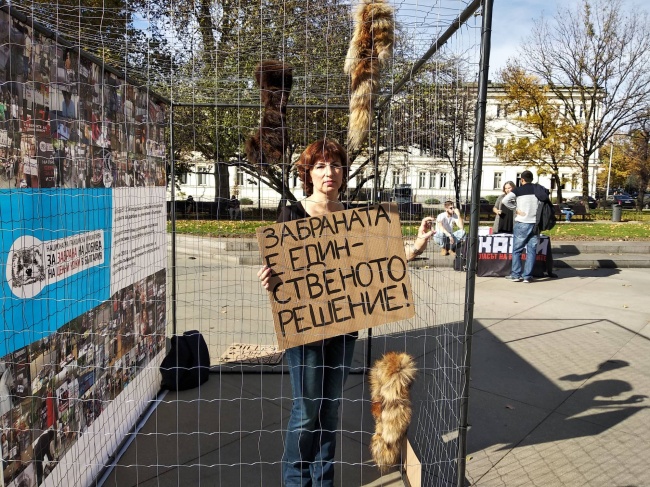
[549, 136]
[636, 154]
[595, 58]
[232, 37]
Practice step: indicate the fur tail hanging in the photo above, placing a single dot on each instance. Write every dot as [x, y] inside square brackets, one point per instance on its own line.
[370, 48]
[268, 146]
[390, 383]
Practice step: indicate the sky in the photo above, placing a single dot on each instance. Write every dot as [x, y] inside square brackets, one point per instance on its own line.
[512, 21]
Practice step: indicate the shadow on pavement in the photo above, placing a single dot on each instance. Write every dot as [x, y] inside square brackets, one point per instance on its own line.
[513, 404]
[230, 431]
[603, 271]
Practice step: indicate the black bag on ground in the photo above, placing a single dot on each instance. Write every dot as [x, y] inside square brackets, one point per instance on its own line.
[187, 365]
[460, 260]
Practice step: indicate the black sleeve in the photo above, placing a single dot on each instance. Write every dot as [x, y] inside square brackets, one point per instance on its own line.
[294, 211]
[284, 215]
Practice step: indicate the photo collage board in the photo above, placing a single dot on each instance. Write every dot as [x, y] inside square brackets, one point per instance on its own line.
[66, 122]
[82, 243]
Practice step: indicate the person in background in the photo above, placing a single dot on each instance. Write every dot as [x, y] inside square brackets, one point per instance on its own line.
[43, 453]
[318, 371]
[445, 235]
[566, 210]
[190, 207]
[525, 234]
[504, 220]
[13, 113]
[234, 210]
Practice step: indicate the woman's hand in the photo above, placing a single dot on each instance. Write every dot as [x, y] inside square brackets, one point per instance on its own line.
[265, 274]
[425, 232]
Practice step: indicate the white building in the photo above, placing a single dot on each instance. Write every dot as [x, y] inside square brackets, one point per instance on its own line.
[430, 178]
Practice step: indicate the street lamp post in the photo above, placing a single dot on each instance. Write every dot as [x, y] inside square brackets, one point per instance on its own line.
[609, 171]
[469, 167]
[594, 175]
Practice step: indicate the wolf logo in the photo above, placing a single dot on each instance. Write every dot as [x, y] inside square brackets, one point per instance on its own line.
[27, 267]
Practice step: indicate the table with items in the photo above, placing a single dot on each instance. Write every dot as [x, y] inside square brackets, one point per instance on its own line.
[495, 256]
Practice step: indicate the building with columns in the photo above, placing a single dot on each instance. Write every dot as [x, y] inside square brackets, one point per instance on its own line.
[430, 178]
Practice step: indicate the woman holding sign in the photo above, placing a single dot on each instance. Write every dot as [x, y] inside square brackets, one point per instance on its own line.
[318, 370]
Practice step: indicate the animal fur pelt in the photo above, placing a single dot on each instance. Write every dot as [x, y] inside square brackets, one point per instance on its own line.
[268, 146]
[370, 47]
[390, 383]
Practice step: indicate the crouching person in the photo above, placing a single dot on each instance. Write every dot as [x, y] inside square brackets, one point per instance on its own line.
[445, 236]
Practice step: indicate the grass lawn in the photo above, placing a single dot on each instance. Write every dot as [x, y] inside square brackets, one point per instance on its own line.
[635, 226]
[217, 228]
[600, 231]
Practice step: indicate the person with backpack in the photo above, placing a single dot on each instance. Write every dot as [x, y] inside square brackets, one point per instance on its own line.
[524, 201]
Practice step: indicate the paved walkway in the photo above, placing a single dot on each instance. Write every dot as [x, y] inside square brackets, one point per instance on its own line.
[560, 377]
[566, 253]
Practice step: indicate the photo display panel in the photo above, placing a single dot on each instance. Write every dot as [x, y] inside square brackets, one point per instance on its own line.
[82, 243]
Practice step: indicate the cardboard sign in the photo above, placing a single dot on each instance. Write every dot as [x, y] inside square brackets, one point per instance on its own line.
[336, 273]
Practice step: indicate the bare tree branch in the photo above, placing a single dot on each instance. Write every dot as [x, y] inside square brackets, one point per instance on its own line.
[595, 56]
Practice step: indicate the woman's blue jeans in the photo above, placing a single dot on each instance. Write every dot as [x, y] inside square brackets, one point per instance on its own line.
[318, 374]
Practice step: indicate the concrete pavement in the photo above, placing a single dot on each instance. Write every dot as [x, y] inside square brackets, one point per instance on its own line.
[560, 377]
[560, 381]
[566, 253]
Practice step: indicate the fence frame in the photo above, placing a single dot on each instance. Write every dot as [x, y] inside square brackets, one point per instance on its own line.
[476, 7]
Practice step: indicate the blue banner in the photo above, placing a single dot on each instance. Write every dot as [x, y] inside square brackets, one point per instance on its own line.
[55, 247]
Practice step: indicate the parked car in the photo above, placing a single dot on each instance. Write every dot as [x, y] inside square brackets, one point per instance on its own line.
[485, 208]
[579, 200]
[625, 200]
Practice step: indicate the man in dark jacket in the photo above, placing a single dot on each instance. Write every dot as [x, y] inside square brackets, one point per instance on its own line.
[523, 201]
[234, 210]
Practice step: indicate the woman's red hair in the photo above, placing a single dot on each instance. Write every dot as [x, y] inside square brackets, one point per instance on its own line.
[321, 150]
